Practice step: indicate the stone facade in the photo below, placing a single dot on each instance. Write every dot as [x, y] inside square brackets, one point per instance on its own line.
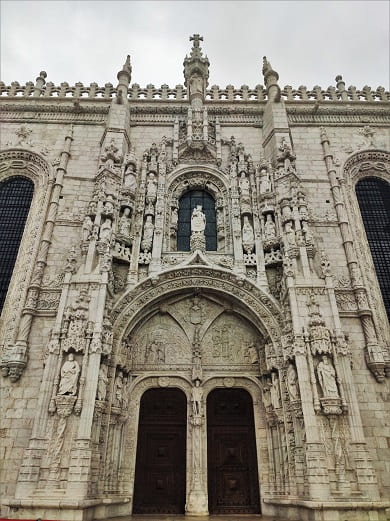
[102, 307]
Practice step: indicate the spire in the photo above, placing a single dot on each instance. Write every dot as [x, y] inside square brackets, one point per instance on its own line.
[271, 81]
[124, 77]
[196, 69]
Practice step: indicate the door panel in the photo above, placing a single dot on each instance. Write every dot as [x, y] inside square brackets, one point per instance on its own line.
[232, 462]
[161, 453]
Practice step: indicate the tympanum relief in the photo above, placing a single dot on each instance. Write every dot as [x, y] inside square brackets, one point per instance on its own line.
[195, 331]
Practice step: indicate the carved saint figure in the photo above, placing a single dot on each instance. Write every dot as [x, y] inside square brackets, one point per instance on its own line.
[244, 184]
[269, 228]
[102, 383]
[118, 391]
[248, 237]
[130, 177]
[125, 223]
[151, 189]
[327, 378]
[198, 220]
[147, 240]
[252, 354]
[69, 376]
[105, 231]
[86, 229]
[275, 392]
[174, 218]
[196, 399]
[265, 181]
[290, 234]
[292, 383]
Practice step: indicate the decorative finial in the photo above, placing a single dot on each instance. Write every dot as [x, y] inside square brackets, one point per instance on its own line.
[196, 38]
[271, 81]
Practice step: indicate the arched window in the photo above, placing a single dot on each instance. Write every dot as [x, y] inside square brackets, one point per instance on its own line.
[15, 200]
[373, 195]
[186, 204]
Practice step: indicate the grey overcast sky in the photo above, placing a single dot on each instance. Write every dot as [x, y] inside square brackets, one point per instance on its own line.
[307, 42]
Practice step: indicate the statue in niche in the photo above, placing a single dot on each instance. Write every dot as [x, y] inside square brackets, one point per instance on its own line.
[106, 230]
[290, 234]
[248, 237]
[327, 378]
[275, 392]
[125, 223]
[130, 181]
[198, 220]
[69, 376]
[147, 241]
[265, 181]
[118, 390]
[269, 228]
[196, 85]
[233, 168]
[151, 189]
[244, 184]
[292, 383]
[108, 207]
[307, 233]
[174, 218]
[86, 230]
[196, 399]
[102, 383]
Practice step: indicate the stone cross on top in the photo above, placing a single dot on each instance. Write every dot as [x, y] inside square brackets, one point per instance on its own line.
[196, 39]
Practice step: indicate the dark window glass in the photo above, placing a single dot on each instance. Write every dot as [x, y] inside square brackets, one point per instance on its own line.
[186, 205]
[15, 200]
[374, 200]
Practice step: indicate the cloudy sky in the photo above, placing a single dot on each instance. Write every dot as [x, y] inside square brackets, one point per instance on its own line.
[308, 42]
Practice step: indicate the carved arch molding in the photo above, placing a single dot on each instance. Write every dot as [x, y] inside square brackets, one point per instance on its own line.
[363, 164]
[24, 163]
[199, 178]
[232, 294]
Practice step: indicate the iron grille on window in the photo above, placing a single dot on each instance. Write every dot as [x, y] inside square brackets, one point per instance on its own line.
[15, 200]
[186, 205]
[374, 200]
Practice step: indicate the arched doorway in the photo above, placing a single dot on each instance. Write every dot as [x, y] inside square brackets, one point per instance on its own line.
[233, 484]
[160, 472]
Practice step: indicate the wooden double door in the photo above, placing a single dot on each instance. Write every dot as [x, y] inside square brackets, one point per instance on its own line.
[160, 475]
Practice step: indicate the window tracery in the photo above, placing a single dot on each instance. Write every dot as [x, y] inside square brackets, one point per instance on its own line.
[15, 201]
[373, 195]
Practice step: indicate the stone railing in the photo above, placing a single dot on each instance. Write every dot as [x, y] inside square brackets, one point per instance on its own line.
[215, 93]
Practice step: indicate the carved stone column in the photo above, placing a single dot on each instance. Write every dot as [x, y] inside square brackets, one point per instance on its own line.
[197, 503]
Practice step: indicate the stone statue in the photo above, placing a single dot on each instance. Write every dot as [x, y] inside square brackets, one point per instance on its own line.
[147, 240]
[118, 391]
[125, 223]
[327, 378]
[151, 356]
[130, 177]
[105, 231]
[69, 376]
[275, 392]
[196, 399]
[265, 181]
[86, 230]
[290, 234]
[102, 383]
[292, 383]
[151, 189]
[269, 228]
[252, 354]
[248, 237]
[198, 220]
[174, 218]
[244, 184]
